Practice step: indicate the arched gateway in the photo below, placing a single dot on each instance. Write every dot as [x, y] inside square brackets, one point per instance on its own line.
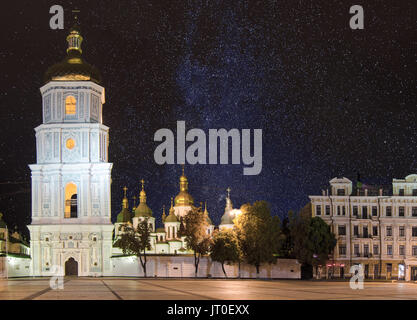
[71, 267]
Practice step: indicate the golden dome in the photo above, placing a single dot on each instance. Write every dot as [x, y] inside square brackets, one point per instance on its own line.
[73, 67]
[183, 198]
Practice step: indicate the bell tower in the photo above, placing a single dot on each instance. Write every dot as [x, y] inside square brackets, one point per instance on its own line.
[72, 176]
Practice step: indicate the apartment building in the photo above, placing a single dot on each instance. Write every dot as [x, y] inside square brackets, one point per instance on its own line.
[375, 227]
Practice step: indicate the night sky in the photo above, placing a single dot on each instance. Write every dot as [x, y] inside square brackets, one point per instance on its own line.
[331, 101]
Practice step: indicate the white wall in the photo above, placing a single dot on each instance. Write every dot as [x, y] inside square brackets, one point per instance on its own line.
[16, 267]
[183, 266]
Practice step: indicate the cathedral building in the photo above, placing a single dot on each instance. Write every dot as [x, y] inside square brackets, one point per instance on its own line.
[374, 227]
[164, 240]
[71, 231]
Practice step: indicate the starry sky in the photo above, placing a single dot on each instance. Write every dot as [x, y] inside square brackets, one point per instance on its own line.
[331, 101]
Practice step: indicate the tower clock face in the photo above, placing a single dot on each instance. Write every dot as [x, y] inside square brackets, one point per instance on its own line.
[70, 144]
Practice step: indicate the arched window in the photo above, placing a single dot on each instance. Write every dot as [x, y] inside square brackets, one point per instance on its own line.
[71, 200]
[70, 105]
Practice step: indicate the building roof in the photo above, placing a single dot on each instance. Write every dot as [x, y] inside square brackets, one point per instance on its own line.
[124, 216]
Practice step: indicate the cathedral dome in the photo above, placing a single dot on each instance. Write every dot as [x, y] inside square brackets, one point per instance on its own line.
[183, 198]
[142, 210]
[125, 215]
[227, 218]
[73, 67]
[171, 217]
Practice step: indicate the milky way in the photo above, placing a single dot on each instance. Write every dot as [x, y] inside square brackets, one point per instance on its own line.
[331, 101]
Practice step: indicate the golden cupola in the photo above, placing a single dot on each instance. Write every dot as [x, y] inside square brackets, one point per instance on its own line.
[183, 198]
[73, 67]
[142, 210]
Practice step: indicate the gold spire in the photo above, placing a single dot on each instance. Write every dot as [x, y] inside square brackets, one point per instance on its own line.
[134, 202]
[171, 217]
[125, 201]
[183, 181]
[142, 196]
[172, 205]
[183, 198]
[163, 213]
[74, 39]
[205, 207]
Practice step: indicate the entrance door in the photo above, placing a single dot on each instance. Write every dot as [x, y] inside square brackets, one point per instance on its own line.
[414, 273]
[71, 267]
[342, 272]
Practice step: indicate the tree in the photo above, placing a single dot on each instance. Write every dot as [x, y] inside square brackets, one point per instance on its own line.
[225, 248]
[312, 238]
[286, 241]
[258, 234]
[195, 232]
[136, 242]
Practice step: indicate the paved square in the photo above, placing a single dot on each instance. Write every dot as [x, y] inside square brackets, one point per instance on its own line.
[206, 289]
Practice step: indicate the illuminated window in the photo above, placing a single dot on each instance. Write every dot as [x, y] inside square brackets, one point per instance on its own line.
[70, 105]
[70, 200]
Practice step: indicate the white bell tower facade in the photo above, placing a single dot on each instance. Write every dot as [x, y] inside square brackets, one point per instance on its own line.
[71, 229]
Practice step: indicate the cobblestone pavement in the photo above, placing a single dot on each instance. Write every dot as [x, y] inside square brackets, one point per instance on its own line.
[188, 289]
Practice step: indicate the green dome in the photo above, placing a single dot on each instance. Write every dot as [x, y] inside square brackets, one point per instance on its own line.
[171, 218]
[124, 216]
[143, 210]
